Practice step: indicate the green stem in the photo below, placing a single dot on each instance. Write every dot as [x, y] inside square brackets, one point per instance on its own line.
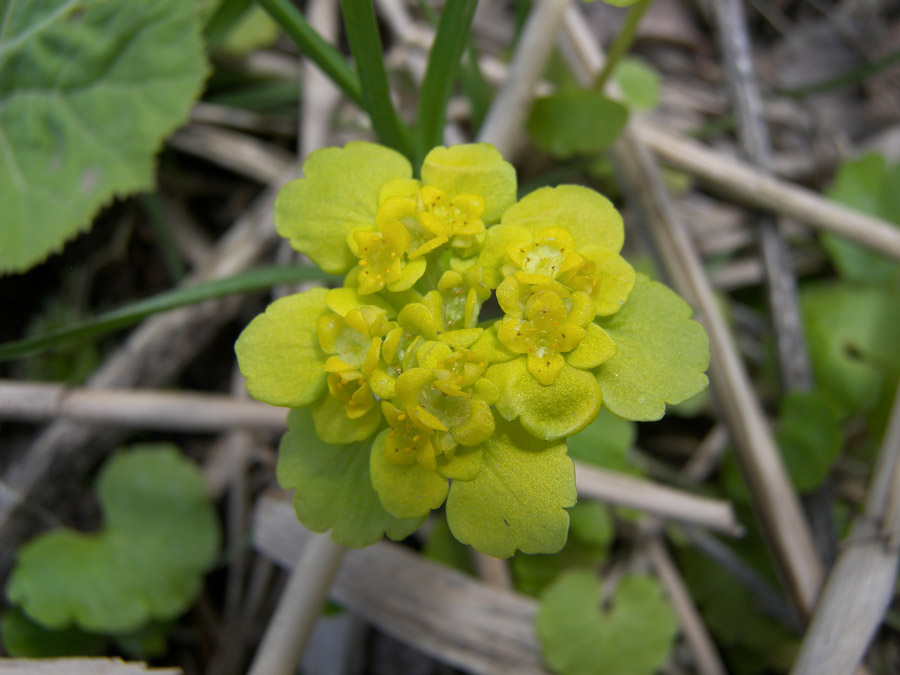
[259, 279]
[623, 42]
[329, 59]
[443, 65]
[365, 45]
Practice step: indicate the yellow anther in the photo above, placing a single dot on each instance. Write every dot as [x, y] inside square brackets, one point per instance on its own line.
[362, 263]
[416, 439]
[401, 416]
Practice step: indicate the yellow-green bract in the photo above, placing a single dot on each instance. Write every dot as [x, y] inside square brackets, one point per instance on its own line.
[407, 396]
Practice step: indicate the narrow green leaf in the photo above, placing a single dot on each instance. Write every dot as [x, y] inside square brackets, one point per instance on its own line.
[443, 64]
[476, 87]
[365, 45]
[329, 59]
[254, 280]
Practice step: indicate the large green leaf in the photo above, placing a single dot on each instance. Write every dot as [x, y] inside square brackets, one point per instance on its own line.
[160, 536]
[88, 90]
[334, 489]
[633, 637]
[518, 499]
[662, 354]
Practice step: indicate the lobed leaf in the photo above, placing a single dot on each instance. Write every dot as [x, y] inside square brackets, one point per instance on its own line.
[338, 194]
[518, 499]
[334, 487]
[160, 536]
[662, 354]
[633, 637]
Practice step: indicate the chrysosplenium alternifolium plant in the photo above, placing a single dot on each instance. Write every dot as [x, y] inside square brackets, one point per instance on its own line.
[407, 395]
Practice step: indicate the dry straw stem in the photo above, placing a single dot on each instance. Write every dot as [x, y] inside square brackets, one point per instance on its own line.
[80, 666]
[471, 625]
[298, 608]
[147, 409]
[751, 187]
[705, 654]
[233, 150]
[774, 497]
[670, 503]
[860, 586]
[793, 359]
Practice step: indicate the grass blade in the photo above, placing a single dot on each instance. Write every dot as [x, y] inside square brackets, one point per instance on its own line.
[365, 45]
[451, 40]
[255, 280]
[329, 59]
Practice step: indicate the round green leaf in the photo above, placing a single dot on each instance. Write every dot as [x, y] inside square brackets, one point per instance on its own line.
[852, 332]
[662, 354]
[160, 536]
[279, 353]
[576, 122]
[338, 194]
[88, 90]
[518, 499]
[334, 488]
[639, 82]
[633, 637]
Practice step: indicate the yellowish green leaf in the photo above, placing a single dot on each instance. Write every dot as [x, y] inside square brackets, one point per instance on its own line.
[518, 499]
[333, 486]
[662, 354]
